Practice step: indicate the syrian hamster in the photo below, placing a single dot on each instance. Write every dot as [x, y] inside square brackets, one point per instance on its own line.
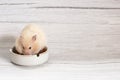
[31, 40]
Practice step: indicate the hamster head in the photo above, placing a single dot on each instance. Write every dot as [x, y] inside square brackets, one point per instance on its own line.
[29, 45]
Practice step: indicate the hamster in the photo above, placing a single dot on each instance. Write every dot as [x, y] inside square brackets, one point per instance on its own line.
[31, 40]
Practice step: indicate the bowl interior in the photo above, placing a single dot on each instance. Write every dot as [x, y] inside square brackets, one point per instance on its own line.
[14, 51]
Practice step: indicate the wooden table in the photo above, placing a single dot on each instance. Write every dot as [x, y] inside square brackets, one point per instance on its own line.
[83, 38]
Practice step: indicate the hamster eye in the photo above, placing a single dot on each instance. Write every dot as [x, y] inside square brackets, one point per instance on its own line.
[23, 47]
[29, 47]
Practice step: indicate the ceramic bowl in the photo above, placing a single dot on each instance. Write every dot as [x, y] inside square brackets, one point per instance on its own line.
[28, 60]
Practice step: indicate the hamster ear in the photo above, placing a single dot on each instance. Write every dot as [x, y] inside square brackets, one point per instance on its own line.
[34, 37]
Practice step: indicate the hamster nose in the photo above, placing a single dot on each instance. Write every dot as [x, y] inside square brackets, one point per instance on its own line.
[26, 52]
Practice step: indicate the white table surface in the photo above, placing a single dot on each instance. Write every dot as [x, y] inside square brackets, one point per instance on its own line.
[83, 38]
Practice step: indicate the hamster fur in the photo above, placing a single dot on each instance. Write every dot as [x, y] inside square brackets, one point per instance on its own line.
[31, 40]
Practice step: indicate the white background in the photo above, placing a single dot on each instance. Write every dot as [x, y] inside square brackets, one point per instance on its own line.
[83, 38]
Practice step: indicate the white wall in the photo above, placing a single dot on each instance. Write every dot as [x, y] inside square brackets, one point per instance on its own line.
[77, 30]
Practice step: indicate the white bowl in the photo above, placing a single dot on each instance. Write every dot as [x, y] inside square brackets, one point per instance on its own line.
[29, 60]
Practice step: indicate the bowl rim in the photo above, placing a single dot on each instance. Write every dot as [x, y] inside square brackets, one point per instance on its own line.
[25, 55]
